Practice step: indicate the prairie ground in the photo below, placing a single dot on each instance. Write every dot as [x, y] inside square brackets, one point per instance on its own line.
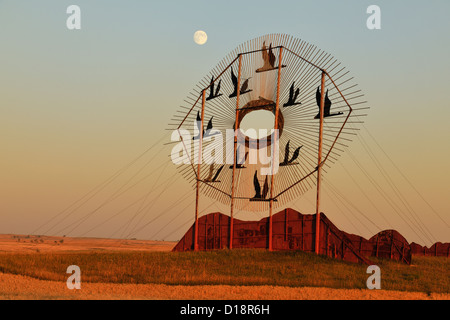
[26, 288]
[35, 268]
[41, 244]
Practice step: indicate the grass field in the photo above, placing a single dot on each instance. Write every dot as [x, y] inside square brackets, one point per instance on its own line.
[224, 267]
[21, 287]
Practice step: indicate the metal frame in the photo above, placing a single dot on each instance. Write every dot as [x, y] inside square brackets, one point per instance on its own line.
[275, 143]
[238, 93]
[272, 198]
[319, 163]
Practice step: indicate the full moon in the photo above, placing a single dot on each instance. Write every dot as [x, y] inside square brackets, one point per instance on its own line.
[200, 37]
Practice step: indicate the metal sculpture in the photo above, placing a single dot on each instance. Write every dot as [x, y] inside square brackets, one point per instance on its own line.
[287, 75]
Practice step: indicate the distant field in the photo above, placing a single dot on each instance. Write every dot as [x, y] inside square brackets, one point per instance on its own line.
[224, 267]
[28, 244]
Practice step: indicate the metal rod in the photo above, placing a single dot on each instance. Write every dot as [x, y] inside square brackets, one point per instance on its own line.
[255, 200]
[346, 119]
[198, 173]
[339, 132]
[217, 189]
[235, 150]
[185, 149]
[190, 110]
[307, 61]
[187, 114]
[258, 50]
[275, 149]
[309, 174]
[319, 163]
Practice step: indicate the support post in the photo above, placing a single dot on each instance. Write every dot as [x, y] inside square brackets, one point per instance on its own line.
[236, 128]
[198, 173]
[274, 148]
[319, 164]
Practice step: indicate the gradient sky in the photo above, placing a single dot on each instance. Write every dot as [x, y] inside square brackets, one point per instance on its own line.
[76, 106]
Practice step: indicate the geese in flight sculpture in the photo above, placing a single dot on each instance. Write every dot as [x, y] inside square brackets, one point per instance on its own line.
[326, 107]
[294, 157]
[268, 58]
[207, 132]
[259, 196]
[244, 87]
[214, 93]
[212, 178]
[292, 96]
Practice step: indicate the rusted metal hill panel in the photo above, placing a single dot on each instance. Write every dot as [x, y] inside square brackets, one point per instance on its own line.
[438, 249]
[391, 245]
[295, 231]
[417, 249]
[339, 244]
[251, 234]
[213, 233]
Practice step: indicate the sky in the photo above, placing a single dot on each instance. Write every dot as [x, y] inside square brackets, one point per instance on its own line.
[78, 105]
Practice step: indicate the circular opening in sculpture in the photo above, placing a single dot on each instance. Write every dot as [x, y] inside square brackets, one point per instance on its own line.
[264, 118]
[257, 124]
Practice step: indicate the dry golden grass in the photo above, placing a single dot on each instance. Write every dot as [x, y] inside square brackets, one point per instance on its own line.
[20, 287]
[229, 267]
[35, 268]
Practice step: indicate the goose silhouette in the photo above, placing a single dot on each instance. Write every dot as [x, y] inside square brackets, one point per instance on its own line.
[214, 93]
[240, 164]
[294, 157]
[292, 96]
[271, 57]
[206, 133]
[244, 86]
[210, 177]
[326, 107]
[258, 194]
[268, 58]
